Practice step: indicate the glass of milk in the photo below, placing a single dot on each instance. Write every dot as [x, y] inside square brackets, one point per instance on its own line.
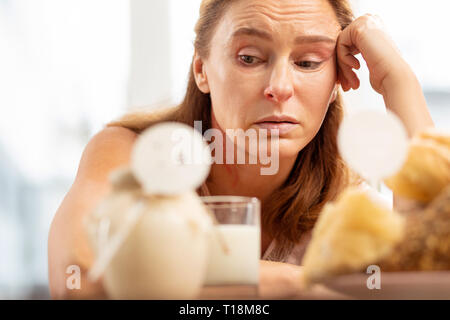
[235, 246]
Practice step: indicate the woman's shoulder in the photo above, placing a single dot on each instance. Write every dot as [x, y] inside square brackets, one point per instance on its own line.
[110, 139]
[110, 148]
[142, 118]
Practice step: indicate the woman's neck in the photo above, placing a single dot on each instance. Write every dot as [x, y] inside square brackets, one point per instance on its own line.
[246, 179]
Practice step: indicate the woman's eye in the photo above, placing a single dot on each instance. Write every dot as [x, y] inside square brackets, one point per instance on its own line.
[249, 60]
[309, 65]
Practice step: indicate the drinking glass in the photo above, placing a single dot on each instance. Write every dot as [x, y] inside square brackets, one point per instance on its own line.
[235, 246]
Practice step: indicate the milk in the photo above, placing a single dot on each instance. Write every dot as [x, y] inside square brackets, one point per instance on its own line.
[241, 265]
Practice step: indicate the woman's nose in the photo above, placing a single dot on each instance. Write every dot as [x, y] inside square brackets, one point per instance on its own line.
[280, 87]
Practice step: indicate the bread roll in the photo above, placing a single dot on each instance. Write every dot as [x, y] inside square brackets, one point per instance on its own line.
[350, 234]
[426, 172]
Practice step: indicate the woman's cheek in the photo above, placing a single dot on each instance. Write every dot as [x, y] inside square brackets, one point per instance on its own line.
[228, 107]
[242, 98]
[315, 100]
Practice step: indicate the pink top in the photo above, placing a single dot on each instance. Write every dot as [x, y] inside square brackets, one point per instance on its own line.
[296, 254]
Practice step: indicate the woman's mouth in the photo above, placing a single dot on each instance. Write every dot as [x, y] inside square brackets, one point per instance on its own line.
[283, 127]
[282, 123]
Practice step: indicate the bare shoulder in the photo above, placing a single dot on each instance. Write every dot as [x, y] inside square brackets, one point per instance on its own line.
[108, 149]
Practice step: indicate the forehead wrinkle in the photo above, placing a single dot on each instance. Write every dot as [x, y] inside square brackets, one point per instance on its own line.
[276, 17]
[283, 12]
[263, 17]
[289, 10]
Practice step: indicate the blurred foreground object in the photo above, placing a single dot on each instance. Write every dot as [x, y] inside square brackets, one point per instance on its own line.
[374, 144]
[426, 245]
[426, 171]
[352, 234]
[150, 235]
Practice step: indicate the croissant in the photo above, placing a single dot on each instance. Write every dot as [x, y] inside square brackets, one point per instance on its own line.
[426, 171]
[351, 233]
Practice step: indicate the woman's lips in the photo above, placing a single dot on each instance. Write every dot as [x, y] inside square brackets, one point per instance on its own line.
[283, 127]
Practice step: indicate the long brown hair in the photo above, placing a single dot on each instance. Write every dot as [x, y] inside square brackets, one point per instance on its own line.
[319, 173]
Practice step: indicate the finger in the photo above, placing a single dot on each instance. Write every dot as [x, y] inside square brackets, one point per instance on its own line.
[343, 81]
[344, 38]
[347, 59]
[352, 62]
[356, 81]
[351, 79]
[354, 50]
[345, 55]
[346, 49]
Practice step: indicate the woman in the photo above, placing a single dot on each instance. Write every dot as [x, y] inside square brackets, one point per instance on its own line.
[257, 64]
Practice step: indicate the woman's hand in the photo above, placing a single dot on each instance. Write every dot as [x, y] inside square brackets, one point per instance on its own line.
[366, 35]
[279, 280]
[390, 75]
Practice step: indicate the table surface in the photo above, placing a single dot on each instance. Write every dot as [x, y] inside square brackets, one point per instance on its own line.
[395, 285]
[317, 292]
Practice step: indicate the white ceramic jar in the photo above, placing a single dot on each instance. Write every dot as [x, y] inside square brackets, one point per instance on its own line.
[163, 255]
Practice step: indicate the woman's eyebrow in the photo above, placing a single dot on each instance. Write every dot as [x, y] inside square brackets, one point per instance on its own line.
[314, 39]
[252, 32]
[303, 39]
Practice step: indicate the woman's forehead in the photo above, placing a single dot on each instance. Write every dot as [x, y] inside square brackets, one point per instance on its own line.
[294, 17]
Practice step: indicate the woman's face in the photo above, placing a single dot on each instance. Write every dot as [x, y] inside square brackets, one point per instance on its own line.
[272, 65]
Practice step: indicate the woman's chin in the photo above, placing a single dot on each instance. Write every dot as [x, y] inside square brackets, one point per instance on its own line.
[284, 148]
[289, 148]
[273, 147]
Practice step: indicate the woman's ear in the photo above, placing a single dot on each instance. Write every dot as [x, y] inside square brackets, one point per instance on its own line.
[334, 93]
[200, 74]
